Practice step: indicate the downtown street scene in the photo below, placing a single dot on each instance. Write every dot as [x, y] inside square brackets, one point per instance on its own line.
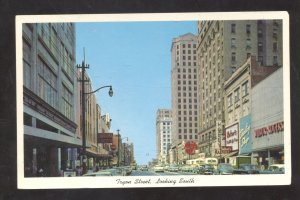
[153, 98]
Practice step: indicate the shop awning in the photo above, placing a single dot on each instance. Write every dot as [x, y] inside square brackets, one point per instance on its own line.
[231, 154]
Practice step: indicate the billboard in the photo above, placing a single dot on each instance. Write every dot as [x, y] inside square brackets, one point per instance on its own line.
[245, 135]
[232, 137]
[104, 138]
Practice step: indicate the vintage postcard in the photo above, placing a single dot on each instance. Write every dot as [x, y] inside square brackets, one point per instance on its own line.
[153, 100]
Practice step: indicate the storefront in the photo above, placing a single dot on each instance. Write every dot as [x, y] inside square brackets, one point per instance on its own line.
[267, 121]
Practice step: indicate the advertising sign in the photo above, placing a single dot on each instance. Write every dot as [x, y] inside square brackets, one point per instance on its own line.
[232, 137]
[104, 137]
[190, 147]
[245, 135]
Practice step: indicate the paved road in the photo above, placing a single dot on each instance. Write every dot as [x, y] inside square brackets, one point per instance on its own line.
[152, 173]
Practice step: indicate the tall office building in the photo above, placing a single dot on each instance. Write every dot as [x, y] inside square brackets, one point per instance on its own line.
[224, 46]
[184, 89]
[163, 133]
[49, 94]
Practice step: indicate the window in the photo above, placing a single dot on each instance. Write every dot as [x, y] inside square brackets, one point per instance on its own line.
[275, 47]
[237, 95]
[245, 88]
[179, 137]
[47, 84]
[233, 43]
[233, 26]
[185, 137]
[248, 43]
[248, 29]
[233, 57]
[259, 33]
[26, 65]
[229, 100]
[67, 102]
[275, 33]
[260, 46]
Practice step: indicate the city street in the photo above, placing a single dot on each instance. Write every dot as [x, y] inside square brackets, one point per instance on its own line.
[152, 173]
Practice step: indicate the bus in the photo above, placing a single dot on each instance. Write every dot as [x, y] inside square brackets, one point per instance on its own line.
[197, 161]
[212, 161]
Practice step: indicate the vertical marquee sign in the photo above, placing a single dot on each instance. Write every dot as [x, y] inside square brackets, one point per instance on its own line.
[245, 135]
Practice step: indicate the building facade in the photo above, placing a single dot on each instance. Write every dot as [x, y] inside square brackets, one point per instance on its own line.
[98, 154]
[224, 46]
[163, 134]
[49, 94]
[267, 120]
[238, 95]
[184, 89]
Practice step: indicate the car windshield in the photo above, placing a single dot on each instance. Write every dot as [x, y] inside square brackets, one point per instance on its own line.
[226, 167]
[249, 167]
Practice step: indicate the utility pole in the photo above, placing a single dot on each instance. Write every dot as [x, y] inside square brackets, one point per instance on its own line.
[118, 148]
[83, 66]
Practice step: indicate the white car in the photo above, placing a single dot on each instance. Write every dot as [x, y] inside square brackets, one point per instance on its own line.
[158, 168]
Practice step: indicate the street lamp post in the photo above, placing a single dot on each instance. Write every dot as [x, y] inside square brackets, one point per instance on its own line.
[83, 66]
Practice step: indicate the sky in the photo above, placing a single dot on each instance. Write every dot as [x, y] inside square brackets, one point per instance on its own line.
[135, 58]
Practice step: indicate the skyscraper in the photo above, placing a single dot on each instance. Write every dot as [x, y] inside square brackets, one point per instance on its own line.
[163, 133]
[184, 89]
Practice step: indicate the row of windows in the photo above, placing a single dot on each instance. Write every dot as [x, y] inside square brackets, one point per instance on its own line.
[185, 82]
[236, 93]
[185, 113]
[185, 124]
[187, 64]
[188, 45]
[188, 52]
[184, 94]
[186, 137]
[186, 70]
[185, 107]
[185, 119]
[185, 101]
[189, 88]
[247, 30]
[186, 130]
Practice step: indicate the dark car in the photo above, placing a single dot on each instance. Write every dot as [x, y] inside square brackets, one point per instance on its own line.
[224, 169]
[206, 169]
[246, 169]
[274, 169]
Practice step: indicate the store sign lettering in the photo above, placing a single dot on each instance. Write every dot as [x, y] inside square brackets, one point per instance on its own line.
[245, 133]
[232, 137]
[268, 130]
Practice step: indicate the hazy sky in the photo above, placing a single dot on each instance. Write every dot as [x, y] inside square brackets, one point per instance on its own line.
[135, 58]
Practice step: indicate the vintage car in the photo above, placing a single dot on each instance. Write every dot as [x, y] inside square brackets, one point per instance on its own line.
[246, 169]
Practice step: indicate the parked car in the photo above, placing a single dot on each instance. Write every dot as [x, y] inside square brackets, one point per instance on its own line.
[100, 173]
[224, 169]
[144, 168]
[173, 168]
[158, 168]
[207, 169]
[246, 169]
[274, 169]
[186, 168]
[121, 171]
